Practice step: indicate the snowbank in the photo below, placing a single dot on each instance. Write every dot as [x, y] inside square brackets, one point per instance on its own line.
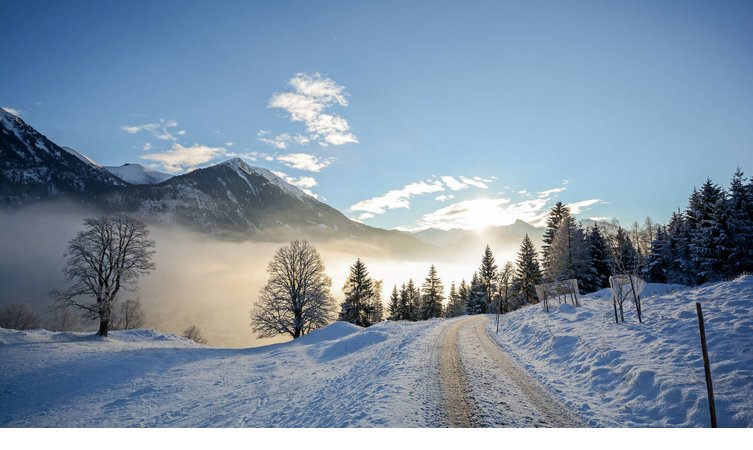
[339, 376]
[650, 374]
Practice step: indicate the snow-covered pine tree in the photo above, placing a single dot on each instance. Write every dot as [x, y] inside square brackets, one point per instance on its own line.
[528, 272]
[476, 303]
[552, 224]
[598, 251]
[464, 292]
[708, 218]
[680, 267]
[394, 306]
[657, 262]
[624, 255]
[404, 312]
[414, 301]
[359, 296]
[376, 306]
[740, 225]
[456, 304]
[432, 296]
[569, 256]
[487, 277]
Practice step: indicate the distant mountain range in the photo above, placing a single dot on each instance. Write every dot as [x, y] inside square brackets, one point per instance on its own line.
[501, 237]
[232, 198]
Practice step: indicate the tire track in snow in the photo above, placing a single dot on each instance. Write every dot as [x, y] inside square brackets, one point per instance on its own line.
[503, 394]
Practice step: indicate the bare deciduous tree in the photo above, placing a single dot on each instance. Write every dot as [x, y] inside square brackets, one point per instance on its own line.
[109, 254]
[194, 333]
[64, 320]
[296, 298]
[130, 315]
[19, 317]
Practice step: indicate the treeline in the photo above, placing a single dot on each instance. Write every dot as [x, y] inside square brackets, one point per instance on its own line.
[711, 240]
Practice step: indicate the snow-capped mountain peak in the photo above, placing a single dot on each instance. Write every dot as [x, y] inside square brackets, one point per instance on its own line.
[239, 166]
[138, 174]
[81, 156]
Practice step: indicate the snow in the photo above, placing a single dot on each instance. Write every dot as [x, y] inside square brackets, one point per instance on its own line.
[387, 375]
[138, 174]
[341, 375]
[81, 156]
[241, 167]
[638, 375]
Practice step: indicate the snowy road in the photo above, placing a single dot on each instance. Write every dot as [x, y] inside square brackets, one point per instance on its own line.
[484, 387]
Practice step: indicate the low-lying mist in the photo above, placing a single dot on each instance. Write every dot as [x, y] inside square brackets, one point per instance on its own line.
[199, 280]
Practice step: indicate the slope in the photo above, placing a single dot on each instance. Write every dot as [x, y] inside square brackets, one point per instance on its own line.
[650, 374]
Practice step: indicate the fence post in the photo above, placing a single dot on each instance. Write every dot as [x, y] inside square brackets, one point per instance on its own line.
[706, 364]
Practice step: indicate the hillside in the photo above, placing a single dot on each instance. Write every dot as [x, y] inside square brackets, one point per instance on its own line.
[650, 374]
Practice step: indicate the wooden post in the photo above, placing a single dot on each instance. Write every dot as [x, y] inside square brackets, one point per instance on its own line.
[706, 364]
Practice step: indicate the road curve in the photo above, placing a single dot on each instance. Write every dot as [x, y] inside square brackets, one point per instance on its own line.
[466, 348]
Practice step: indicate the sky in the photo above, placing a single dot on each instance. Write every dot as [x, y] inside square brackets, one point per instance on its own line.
[403, 114]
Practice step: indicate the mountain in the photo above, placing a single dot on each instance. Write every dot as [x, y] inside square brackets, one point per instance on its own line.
[232, 199]
[34, 168]
[80, 156]
[507, 237]
[137, 174]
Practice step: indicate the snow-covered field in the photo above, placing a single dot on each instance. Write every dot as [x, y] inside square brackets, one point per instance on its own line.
[643, 375]
[631, 374]
[338, 376]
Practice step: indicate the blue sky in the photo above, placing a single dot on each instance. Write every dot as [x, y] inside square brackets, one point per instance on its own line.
[618, 108]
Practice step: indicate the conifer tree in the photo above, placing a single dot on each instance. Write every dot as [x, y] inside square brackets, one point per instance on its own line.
[404, 312]
[476, 296]
[552, 225]
[569, 256]
[657, 263]
[680, 267]
[528, 272]
[376, 307]
[414, 301]
[456, 304]
[624, 255]
[708, 218]
[487, 277]
[504, 283]
[598, 251]
[358, 307]
[432, 296]
[740, 225]
[464, 292]
[394, 306]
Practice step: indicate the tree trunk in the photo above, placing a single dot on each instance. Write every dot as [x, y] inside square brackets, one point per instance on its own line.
[104, 326]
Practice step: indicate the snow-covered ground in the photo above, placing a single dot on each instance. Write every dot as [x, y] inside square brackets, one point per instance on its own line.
[340, 376]
[643, 375]
[630, 374]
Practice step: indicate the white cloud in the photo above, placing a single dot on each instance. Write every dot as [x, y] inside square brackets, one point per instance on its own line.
[548, 193]
[147, 146]
[578, 207]
[479, 213]
[476, 181]
[282, 141]
[365, 216]
[452, 183]
[179, 158]
[304, 161]
[160, 130]
[14, 111]
[444, 197]
[398, 198]
[311, 96]
[229, 144]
